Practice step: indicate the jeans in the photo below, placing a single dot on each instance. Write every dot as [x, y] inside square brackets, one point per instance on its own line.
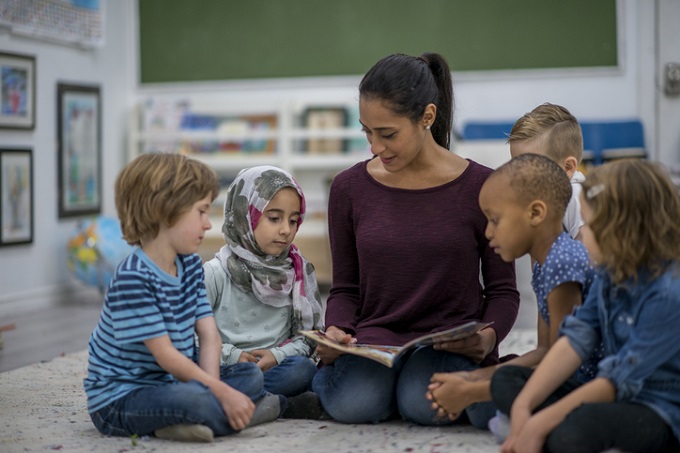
[593, 427]
[290, 377]
[358, 390]
[147, 409]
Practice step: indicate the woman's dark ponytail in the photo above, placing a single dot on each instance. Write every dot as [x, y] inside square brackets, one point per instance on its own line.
[441, 128]
[408, 84]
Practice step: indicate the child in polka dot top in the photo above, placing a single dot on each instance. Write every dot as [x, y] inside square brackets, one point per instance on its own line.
[524, 201]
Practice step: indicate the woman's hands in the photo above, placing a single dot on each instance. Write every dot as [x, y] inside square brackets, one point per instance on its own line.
[476, 347]
[329, 355]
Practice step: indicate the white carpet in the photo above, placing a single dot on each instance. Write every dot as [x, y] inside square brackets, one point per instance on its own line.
[43, 408]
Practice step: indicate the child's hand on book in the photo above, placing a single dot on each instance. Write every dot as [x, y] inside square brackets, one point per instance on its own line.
[329, 355]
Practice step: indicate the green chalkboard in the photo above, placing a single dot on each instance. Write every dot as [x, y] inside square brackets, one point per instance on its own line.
[199, 40]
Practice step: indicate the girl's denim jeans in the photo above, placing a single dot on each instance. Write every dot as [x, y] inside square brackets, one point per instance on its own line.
[290, 377]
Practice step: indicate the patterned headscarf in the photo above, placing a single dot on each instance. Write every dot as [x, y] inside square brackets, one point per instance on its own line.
[277, 281]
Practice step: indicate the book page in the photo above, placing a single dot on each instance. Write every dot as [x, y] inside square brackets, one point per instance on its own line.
[387, 355]
[455, 333]
[379, 353]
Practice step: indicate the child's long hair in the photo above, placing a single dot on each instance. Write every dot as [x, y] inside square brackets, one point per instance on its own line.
[636, 217]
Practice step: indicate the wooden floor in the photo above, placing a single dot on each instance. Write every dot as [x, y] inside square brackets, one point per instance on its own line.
[48, 333]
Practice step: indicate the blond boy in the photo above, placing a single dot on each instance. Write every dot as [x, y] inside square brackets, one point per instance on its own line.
[550, 130]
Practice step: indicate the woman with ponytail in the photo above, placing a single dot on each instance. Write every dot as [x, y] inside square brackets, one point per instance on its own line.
[407, 241]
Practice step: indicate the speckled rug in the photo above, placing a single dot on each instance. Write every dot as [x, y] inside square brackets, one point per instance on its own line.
[43, 408]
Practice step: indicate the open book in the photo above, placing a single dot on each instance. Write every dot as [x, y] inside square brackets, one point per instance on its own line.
[388, 355]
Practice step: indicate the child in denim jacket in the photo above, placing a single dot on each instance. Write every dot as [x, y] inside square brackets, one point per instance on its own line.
[631, 211]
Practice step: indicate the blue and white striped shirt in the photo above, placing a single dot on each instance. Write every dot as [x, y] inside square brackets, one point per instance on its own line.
[143, 302]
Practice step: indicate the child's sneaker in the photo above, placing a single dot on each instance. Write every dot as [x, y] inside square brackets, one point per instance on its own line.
[307, 405]
[500, 427]
[186, 433]
[267, 409]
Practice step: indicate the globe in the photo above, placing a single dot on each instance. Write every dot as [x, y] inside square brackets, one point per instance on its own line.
[95, 249]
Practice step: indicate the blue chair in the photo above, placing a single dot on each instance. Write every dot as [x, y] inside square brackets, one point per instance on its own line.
[604, 140]
[482, 130]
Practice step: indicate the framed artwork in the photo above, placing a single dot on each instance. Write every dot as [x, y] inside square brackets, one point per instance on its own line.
[317, 118]
[17, 91]
[79, 139]
[16, 196]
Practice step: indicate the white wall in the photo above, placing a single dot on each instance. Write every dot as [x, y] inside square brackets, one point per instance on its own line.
[36, 273]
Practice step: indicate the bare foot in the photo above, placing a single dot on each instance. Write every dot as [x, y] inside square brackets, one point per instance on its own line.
[451, 393]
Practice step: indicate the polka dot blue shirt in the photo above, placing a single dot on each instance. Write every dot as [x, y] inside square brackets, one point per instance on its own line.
[567, 261]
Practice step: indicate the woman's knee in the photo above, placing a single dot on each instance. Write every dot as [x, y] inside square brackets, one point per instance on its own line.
[356, 391]
[415, 377]
[415, 408]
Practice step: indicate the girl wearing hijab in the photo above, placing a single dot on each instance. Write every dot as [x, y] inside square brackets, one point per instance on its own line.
[262, 290]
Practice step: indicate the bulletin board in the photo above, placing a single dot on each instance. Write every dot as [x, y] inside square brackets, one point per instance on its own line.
[74, 22]
[183, 41]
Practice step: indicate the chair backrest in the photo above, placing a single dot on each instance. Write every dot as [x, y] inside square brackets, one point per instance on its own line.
[483, 130]
[611, 139]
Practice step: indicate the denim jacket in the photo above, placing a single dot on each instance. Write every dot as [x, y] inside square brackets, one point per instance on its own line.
[638, 322]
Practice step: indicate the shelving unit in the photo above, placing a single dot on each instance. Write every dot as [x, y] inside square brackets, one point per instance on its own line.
[230, 138]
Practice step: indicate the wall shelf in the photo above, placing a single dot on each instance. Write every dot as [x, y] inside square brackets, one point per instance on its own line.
[229, 138]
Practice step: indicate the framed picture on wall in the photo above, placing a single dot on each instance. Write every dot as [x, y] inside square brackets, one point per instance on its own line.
[16, 196]
[17, 91]
[79, 149]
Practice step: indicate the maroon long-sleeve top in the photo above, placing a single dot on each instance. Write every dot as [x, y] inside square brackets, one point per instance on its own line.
[407, 262]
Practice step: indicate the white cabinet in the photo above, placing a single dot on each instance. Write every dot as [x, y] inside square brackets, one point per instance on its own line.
[311, 140]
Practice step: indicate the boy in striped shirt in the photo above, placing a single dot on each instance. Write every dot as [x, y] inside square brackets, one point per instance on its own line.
[145, 374]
